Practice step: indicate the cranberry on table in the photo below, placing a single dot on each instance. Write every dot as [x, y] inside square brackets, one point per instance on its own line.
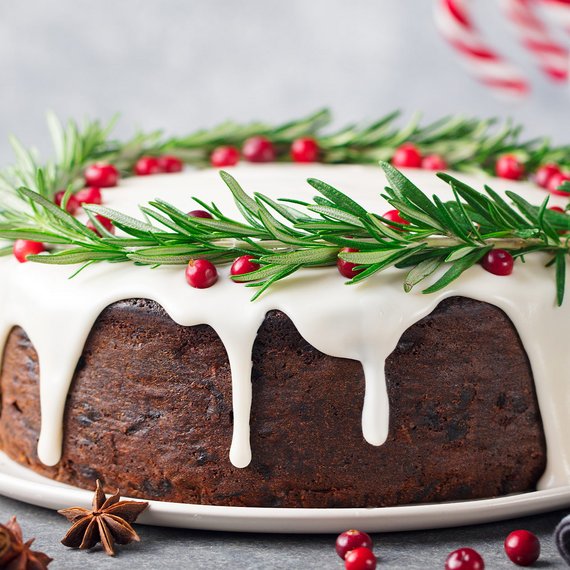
[545, 173]
[89, 195]
[305, 149]
[555, 181]
[201, 273]
[509, 167]
[224, 156]
[407, 156]
[25, 247]
[361, 558]
[147, 165]
[243, 264]
[169, 163]
[105, 222]
[258, 149]
[346, 268]
[72, 205]
[434, 162]
[498, 262]
[464, 559]
[200, 214]
[101, 175]
[351, 539]
[522, 547]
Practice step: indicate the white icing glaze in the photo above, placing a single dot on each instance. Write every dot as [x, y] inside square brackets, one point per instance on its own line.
[362, 322]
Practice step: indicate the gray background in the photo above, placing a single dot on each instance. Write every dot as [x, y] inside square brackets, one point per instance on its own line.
[180, 65]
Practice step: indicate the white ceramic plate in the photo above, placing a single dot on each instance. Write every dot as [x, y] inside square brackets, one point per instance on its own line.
[22, 484]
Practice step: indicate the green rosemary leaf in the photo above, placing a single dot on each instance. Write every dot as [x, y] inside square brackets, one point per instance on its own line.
[368, 257]
[382, 226]
[313, 256]
[457, 268]
[419, 272]
[241, 198]
[74, 256]
[259, 275]
[396, 257]
[560, 276]
[33, 234]
[291, 214]
[126, 222]
[6, 250]
[337, 214]
[450, 221]
[407, 190]
[459, 253]
[165, 221]
[340, 200]
[509, 213]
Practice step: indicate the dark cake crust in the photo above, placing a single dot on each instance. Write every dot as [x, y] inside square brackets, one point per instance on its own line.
[150, 412]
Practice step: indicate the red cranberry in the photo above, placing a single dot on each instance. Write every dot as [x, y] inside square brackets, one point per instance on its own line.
[169, 163]
[89, 195]
[73, 203]
[105, 222]
[434, 162]
[509, 167]
[498, 262]
[394, 216]
[101, 175]
[258, 149]
[351, 539]
[305, 150]
[545, 173]
[360, 559]
[557, 209]
[556, 180]
[522, 547]
[200, 214]
[24, 247]
[201, 273]
[407, 155]
[224, 156]
[464, 559]
[345, 268]
[147, 165]
[243, 264]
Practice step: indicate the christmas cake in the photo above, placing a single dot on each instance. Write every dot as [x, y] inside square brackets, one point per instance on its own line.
[316, 394]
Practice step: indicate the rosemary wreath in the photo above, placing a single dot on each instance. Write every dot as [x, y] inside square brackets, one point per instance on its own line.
[285, 235]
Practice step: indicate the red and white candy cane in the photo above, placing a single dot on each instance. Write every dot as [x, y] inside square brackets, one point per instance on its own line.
[560, 11]
[454, 22]
[552, 56]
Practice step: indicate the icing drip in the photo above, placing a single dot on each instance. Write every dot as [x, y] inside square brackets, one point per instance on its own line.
[363, 322]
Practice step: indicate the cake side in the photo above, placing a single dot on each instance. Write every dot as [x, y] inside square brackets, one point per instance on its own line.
[150, 412]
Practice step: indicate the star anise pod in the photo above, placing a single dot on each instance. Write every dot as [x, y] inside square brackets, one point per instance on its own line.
[109, 522]
[15, 554]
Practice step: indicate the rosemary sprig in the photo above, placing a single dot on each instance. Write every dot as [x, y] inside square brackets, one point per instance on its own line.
[445, 237]
[467, 144]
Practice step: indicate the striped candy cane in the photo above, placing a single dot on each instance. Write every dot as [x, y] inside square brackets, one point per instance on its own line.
[486, 63]
[560, 12]
[551, 56]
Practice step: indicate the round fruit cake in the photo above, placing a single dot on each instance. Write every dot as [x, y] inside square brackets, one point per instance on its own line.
[316, 394]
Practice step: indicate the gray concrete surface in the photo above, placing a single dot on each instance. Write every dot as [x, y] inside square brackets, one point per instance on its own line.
[185, 549]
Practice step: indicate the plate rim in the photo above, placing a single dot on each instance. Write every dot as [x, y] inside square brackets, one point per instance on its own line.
[23, 484]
